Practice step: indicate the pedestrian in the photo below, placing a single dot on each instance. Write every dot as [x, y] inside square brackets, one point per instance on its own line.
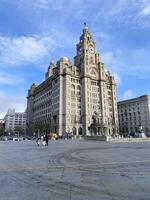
[42, 138]
[46, 139]
[38, 141]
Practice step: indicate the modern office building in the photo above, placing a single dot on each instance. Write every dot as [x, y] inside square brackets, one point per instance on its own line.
[133, 114]
[77, 98]
[15, 121]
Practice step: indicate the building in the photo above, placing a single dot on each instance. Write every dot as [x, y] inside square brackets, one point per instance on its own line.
[133, 114]
[15, 121]
[77, 98]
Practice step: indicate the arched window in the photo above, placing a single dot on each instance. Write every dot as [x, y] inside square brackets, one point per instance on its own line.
[72, 89]
[78, 87]
[78, 90]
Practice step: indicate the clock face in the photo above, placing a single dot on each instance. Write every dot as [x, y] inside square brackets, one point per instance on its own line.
[80, 50]
[91, 49]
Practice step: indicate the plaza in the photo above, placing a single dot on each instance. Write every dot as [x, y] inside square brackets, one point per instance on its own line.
[74, 170]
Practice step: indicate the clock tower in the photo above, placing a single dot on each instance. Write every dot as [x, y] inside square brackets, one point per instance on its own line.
[86, 54]
[87, 60]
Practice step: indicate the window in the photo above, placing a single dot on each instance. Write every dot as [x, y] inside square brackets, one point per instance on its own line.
[78, 87]
[72, 89]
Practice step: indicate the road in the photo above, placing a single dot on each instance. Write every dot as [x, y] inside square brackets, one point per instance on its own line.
[74, 170]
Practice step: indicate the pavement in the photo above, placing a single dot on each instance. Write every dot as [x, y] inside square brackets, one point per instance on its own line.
[74, 170]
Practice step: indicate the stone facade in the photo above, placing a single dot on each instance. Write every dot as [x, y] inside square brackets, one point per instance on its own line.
[77, 98]
[133, 114]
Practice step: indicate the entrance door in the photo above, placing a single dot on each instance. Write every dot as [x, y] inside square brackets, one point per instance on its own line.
[80, 131]
[74, 131]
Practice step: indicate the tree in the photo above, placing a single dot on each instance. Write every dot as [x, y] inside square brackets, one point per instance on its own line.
[2, 128]
[19, 130]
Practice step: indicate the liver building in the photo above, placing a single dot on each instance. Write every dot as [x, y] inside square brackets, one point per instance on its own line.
[78, 98]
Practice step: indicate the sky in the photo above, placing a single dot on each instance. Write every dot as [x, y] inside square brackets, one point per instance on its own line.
[35, 32]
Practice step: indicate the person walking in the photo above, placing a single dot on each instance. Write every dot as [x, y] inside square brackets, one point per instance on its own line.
[38, 141]
[46, 139]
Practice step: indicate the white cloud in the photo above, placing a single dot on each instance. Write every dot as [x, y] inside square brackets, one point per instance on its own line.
[107, 57]
[120, 12]
[117, 78]
[8, 79]
[128, 94]
[125, 12]
[38, 4]
[112, 60]
[21, 50]
[6, 102]
[146, 10]
[126, 62]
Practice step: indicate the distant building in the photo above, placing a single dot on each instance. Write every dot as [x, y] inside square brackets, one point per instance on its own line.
[77, 98]
[134, 113]
[1, 120]
[15, 121]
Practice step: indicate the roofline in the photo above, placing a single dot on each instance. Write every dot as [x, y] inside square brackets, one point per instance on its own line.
[134, 99]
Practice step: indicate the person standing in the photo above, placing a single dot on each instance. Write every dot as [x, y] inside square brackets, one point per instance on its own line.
[44, 140]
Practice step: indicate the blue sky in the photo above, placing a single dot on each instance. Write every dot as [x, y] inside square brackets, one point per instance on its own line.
[34, 32]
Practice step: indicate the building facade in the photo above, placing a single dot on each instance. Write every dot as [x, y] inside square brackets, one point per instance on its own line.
[133, 114]
[15, 121]
[77, 98]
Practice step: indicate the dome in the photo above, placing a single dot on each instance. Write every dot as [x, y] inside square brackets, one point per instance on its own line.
[52, 62]
[51, 65]
[34, 85]
[64, 58]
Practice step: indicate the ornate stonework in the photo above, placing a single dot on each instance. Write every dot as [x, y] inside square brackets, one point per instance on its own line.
[77, 98]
